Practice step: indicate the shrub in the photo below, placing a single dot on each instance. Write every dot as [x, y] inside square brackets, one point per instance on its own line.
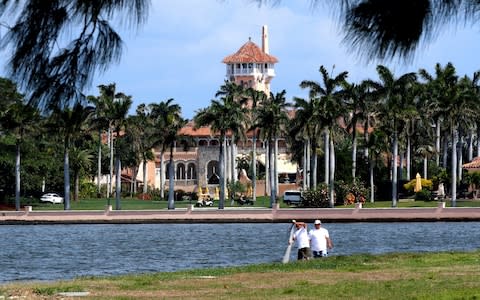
[353, 192]
[143, 196]
[426, 184]
[317, 197]
[423, 195]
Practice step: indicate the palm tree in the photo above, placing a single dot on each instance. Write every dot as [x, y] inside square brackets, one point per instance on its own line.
[141, 131]
[166, 121]
[330, 106]
[223, 115]
[72, 124]
[257, 98]
[306, 128]
[118, 115]
[55, 70]
[102, 121]
[392, 92]
[107, 103]
[355, 97]
[19, 119]
[271, 120]
[81, 163]
[395, 28]
[239, 94]
[437, 93]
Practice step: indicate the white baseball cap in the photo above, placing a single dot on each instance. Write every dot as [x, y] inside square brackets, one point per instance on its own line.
[318, 222]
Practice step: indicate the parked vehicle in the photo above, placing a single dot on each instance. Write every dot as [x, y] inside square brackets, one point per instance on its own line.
[204, 202]
[52, 198]
[292, 197]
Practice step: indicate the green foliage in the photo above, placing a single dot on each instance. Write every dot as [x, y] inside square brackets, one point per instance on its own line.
[442, 176]
[235, 189]
[426, 184]
[352, 192]
[472, 178]
[423, 195]
[88, 190]
[317, 197]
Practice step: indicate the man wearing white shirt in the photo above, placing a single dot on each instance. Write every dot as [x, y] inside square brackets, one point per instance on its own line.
[302, 241]
[320, 240]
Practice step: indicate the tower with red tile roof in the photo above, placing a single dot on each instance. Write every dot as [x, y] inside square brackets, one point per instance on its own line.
[252, 66]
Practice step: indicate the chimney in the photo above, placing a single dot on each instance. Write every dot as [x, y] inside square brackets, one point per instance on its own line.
[265, 39]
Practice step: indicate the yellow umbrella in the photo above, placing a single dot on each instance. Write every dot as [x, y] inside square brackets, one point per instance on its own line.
[418, 183]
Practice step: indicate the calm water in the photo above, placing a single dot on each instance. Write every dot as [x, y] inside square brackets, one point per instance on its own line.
[51, 252]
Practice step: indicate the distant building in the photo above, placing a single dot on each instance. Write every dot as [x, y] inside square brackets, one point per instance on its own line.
[196, 166]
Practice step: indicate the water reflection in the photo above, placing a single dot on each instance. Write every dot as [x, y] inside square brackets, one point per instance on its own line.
[50, 252]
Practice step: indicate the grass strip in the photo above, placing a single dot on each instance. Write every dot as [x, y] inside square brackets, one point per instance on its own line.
[443, 275]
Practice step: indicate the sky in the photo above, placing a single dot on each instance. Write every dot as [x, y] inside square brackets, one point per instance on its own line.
[178, 53]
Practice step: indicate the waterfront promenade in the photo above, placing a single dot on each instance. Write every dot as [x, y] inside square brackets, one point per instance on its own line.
[240, 215]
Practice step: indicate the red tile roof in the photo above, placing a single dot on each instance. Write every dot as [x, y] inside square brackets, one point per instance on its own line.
[473, 165]
[250, 53]
[190, 130]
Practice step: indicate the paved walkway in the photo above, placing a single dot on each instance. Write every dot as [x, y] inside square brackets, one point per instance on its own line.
[241, 215]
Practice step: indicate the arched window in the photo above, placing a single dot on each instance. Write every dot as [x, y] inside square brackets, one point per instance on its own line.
[191, 171]
[212, 168]
[180, 171]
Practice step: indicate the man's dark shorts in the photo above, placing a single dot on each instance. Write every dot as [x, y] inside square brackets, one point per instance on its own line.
[319, 254]
[304, 253]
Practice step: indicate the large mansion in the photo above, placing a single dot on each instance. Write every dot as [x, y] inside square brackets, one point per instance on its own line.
[197, 166]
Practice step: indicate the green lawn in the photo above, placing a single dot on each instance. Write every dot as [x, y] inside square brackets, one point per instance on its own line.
[444, 275]
[137, 204]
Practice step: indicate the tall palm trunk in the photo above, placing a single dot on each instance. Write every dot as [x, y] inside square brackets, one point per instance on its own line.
[221, 161]
[460, 157]
[327, 156]
[233, 175]
[409, 150]
[99, 164]
[134, 180]
[66, 178]
[171, 181]
[309, 161]
[454, 166]
[162, 173]
[437, 143]
[478, 140]
[314, 166]
[354, 154]
[145, 184]
[17, 176]
[372, 184]
[304, 181]
[425, 166]
[445, 151]
[400, 170]
[254, 166]
[275, 165]
[228, 164]
[394, 169]
[76, 188]
[470, 144]
[267, 168]
[110, 185]
[331, 184]
[118, 181]
[273, 192]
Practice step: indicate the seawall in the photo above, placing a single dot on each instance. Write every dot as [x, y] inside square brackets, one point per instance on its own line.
[241, 215]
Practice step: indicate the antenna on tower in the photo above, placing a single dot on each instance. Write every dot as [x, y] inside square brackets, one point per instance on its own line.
[265, 48]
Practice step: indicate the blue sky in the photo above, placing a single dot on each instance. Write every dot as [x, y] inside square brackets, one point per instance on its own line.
[178, 53]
